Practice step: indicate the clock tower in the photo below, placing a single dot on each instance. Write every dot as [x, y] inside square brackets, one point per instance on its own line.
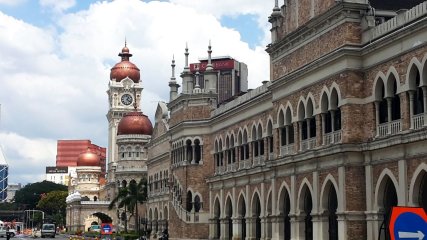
[124, 95]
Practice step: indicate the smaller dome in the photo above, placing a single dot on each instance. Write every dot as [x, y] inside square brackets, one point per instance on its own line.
[135, 123]
[88, 158]
[125, 49]
[125, 68]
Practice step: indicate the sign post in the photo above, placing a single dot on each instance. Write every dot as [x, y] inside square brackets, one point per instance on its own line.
[106, 229]
[408, 223]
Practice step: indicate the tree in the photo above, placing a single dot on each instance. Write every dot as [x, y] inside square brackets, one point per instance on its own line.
[129, 197]
[30, 195]
[53, 203]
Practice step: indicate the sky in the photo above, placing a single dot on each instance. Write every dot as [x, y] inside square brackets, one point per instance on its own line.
[56, 56]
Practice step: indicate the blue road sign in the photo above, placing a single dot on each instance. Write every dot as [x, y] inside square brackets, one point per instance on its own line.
[106, 228]
[408, 223]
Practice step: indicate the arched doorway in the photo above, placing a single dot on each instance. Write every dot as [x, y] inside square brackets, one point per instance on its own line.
[228, 217]
[387, 201]
[256, 214]
[242, 216]
[284, 208]
[217, 222]
[306, 206]
[422, 193]
[332, 214]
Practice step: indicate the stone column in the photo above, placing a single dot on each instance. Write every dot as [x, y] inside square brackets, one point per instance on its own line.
[424, 88]
[411, 108]
[323, 117]
[389, 113]
[377, 116]
[299, 136]
[237, 228]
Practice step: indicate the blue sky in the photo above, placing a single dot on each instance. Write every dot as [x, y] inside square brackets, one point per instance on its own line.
[57, 56]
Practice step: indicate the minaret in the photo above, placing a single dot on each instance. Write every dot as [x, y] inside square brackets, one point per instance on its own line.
[172, 83]
[275, 20]
[210, 74]
[187, 77]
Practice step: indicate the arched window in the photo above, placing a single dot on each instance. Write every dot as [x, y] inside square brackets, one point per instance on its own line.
[197, 151]
[197, 203]
[189, 205]
[189, 150]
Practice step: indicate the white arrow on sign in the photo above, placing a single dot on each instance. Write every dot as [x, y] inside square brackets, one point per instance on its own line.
[418, 235]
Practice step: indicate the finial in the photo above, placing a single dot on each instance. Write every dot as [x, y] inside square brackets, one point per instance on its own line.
[173, 68]
[209, 66]
[276, 9]
[126, 42]
[186, 68]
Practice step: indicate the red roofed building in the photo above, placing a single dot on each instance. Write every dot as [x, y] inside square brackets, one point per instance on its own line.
[68, 152]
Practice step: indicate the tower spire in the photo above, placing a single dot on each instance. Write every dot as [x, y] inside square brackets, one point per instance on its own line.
[209, 66]
[173, 69]
[186, 67]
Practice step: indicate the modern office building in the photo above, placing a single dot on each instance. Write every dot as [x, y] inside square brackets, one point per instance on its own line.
[4, 173]
[68, 152]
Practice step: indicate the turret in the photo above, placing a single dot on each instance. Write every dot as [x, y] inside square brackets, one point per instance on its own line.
[276, 20]
[187, 77]
[210, 75]
[172, 83]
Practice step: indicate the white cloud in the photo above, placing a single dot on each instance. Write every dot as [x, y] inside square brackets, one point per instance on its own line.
[58, 5]
[27, 158]
[12, 2]
[56, 81]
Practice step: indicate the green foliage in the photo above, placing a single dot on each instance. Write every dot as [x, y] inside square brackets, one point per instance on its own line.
[9, 206]
[129, 197]
[30, 195]
[53, 202]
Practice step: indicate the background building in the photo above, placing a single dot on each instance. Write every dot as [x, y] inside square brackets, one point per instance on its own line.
[232, 76]
[69, 150]
[60, 175]
[4, 173]
[11, 190]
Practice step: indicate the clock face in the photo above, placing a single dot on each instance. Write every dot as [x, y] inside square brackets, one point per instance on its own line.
[126, 99]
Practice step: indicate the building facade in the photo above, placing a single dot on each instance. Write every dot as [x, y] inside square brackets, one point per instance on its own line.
[323, 150]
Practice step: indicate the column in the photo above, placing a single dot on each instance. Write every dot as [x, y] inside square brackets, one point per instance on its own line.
[237, 228]
[299, 123]
[308, 128]
[424, 88]
[377, 116]
[411, 108]
[323, 117]
[389, 114]
[193, 156]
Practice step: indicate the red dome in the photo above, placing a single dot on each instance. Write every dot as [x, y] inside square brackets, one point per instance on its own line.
[135, 123]
[125, 68]
[88, 158]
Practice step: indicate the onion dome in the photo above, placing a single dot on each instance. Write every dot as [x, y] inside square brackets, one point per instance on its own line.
[135, 123]
[88, 158]
[125, 68]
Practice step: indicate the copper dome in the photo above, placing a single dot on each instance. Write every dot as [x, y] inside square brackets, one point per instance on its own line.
[125, 68]
[88, 158]
[135, 123]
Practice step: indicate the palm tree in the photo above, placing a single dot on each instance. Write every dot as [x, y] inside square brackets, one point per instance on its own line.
[129, 197]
